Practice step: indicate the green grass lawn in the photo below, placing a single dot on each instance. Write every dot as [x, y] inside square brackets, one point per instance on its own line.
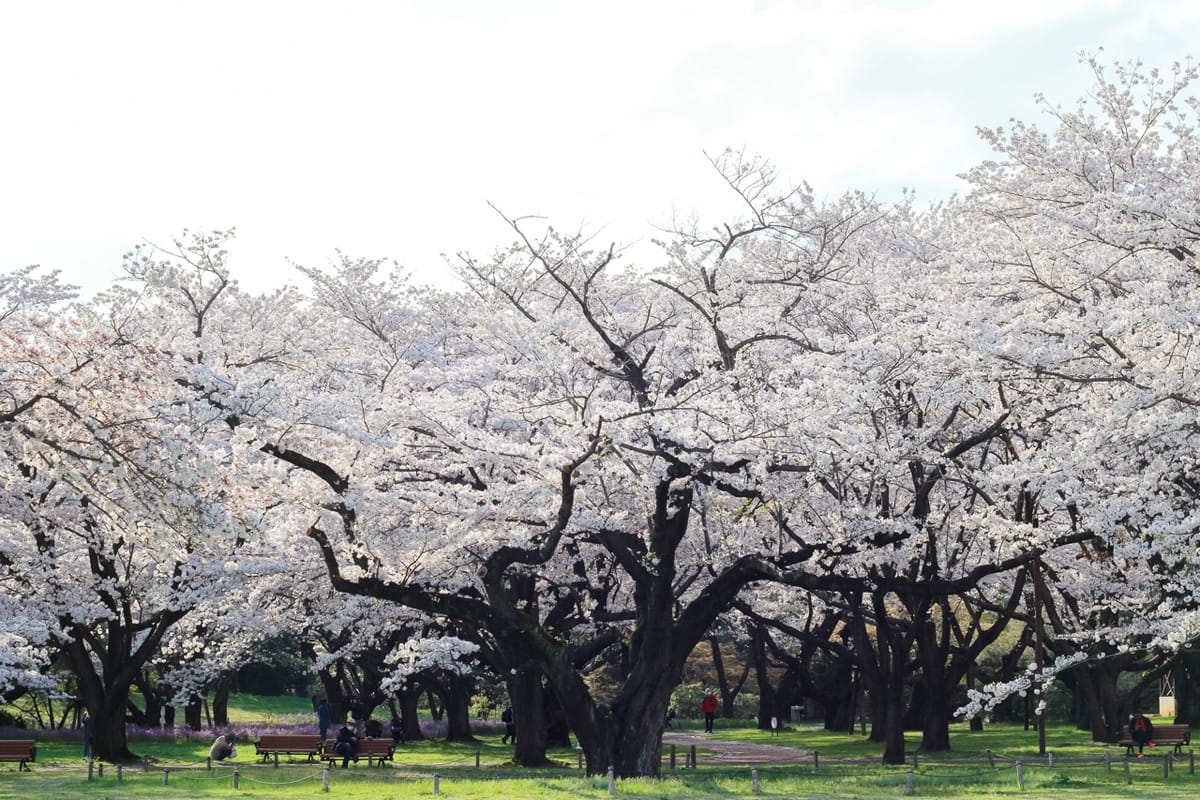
[61, 773]
[1005, 740]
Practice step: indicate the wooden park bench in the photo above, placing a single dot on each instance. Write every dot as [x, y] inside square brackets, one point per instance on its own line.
[22, 750]
[1177, 735]
[277, 744]
[371, 749]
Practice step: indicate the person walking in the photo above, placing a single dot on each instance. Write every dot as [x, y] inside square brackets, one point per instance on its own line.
[86, 724]
[709, 708]
[323, 719]
[510, 725]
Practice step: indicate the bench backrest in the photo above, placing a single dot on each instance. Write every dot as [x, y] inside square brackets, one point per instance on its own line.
[1164, 731]
[289, 740]
[363, 746]
[17, 746]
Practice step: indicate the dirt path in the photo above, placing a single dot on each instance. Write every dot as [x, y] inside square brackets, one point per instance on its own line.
[726, 752]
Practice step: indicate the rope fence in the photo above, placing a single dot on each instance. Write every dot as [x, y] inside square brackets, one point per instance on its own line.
[997, 770]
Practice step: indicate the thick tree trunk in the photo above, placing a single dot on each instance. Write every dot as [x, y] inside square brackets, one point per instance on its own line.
[1185, 669]
[893, 726]
[193, 713]
[220, 704]
[525, 690]
[409, 701]
[458, 709]
[934, 685]
[108, 731]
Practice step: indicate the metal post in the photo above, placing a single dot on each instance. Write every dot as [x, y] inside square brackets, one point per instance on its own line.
[1020, 776]
[165, 777]
[612, 782]
[1128, 777]
[437, 783]
[909, 789]
[754, 779]
[325, 779]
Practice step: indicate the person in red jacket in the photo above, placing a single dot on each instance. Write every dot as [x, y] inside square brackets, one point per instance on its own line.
[709, 706]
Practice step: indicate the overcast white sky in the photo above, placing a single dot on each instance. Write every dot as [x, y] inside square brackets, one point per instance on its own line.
[384, 128]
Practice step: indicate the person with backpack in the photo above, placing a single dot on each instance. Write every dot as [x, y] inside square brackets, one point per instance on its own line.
[1141, 731]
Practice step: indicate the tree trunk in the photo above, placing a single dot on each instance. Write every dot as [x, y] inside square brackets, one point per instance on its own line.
[108, 730]
[934, 683]
[192, 713]
[458, 709]
[409, 714]
[525, 690]
[436, 710]
[220, 704]
[977, 720]
[893, 725]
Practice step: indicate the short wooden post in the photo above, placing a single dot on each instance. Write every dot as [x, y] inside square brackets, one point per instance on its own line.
[816, 760]
[165, 777]
[236, 779]
[91, 763]
[991, 758]
[1166, 766]
[277, 760]
[612, 782]
[209, 762]
[754, 779]
[476, 759]
[325, 779]
[908, 787]
[1191, 761]
[120, 771]
[580, 754]
[437, 783]
[916, 760]
[100, 770]
[692, 756]
[1128, 775]
[1020, 776]
[672, 758]
[1050, 759]
[1107, 760]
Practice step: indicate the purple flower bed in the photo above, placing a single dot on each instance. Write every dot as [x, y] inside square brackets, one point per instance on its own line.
[430, 728]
